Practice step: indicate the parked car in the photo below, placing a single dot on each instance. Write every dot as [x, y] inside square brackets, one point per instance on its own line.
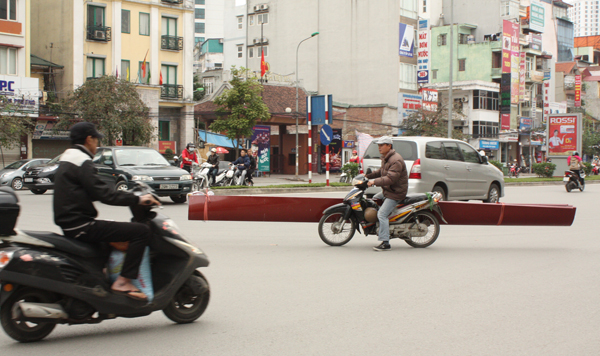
[451, 167]
[13, 173]
[124, 165]
[40, 178]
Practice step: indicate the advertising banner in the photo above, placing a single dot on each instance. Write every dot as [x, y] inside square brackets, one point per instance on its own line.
[423, 52]
[522, 78]
[505, 101]
[335, 152]
[536, 16]
[564, 134]
[525, 123]
[430, 99]
[408, 104]
[164, 145]
[577, 90]
[511, 57]
[535, 41]
[260, 147]
[22, 92]
[407, 40]
[489, 145]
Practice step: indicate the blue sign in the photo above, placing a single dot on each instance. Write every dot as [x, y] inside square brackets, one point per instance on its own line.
[317, 109]
[525, 123]
[489, 145]
[407, 40]
[326, 135]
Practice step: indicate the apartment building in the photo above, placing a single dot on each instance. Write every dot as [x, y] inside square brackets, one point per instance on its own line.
[115, 37]
[585, 15]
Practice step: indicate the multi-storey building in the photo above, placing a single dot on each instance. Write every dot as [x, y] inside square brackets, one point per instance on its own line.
[208, 19]
[585, 14]
[114, 37]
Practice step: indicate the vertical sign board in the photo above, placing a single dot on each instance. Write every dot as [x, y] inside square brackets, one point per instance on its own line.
[546, 89]
[577, 90]
[423, 52]
[564, 134]
[522, 78]
[260, 147]
[407, 40]
[505, 102]
[335, 151]
[510, 56]
[317, 105]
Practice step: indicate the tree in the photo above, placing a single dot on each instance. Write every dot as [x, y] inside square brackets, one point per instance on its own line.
[199, 90]
[13, 125]
[590, 138]
[431, 124]
[240, 107]
[113, 105]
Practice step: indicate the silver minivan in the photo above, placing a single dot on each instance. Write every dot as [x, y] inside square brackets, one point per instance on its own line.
[451, 167]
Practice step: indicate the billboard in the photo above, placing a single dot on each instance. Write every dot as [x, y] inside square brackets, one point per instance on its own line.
[423, 52]
[430, 99]
[407, 40]
[260, 147]
[577, 90]
[335, 152]
[564, 134]
[23, 92]
[536, 16]
[408, 104]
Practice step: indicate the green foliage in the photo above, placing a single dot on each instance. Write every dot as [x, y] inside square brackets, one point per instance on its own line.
[590, 138]
[351, 169]
[240, 107]
[168, 155]
[113, 105]
[199, 90]
[13, 124]
[544, 169]
[587, 168]
[498, 164]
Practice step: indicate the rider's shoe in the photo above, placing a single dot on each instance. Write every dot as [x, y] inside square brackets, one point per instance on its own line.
[383, 246]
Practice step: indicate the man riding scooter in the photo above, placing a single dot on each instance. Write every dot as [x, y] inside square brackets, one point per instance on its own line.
[189, 157]
[213, 160]
[242, 163]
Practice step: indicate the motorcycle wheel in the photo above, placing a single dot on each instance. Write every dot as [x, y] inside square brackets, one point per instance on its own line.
[25, 331]
[186, 307]
[433, 230]
[581, 187]
[38, 191]
[329, 229]
[195, 187]
[568, 187]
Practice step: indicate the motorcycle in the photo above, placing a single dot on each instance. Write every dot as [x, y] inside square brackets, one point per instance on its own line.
[239, 176]
[514, 171]
[413, 220]
[595, 170]
[201, 179]
[48, 279]
[572, 181]
[344, 177]
[224, 177]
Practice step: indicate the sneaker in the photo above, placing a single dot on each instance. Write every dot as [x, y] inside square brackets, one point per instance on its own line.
[384, 246]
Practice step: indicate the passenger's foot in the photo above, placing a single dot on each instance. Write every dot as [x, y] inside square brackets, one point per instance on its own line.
[383, 246]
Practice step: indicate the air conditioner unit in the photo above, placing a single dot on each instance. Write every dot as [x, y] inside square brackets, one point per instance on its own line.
[256, 8]
[265, 40]
[220, 40]
[264, 7]
[470, 39]
[256, 41]
[99, 34]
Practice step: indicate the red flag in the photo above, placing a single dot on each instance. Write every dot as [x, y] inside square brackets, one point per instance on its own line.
[144, 65]
[160, 80]
[263, 64]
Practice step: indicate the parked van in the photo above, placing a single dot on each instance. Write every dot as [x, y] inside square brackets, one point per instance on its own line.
[451, 167]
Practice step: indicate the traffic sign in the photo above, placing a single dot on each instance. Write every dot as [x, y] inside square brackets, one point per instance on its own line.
[326, 135]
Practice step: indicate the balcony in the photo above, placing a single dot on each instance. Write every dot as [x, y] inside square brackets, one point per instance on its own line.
[99, 33]
[174, 2]
[171, 91]
[171, 43]
[534, 76]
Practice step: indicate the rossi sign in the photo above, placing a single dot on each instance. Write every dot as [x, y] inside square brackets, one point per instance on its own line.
[564, 134]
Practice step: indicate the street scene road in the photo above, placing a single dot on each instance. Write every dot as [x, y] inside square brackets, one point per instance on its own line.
[277, 289]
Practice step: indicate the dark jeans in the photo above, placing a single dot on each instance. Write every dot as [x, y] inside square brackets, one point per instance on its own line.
[578, 172]
[138, 235]
[212, 171]
[249, 173]
[188, 167]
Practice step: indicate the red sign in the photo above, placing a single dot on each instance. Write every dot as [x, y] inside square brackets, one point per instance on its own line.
[577, 90]
[505, 122]
[562, 132]
[430, 99]
[163, 145]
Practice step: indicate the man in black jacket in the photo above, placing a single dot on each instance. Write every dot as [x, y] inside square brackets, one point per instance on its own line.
[76, 187]
[213, 159]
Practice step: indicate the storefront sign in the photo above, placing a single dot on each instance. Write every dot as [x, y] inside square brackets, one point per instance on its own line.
[164, 145]
[423, 52]
[525, 123]
[407, 40]
[536, 16]
[577, 90]
[407, 105]
[260, 147]
[535, 41]
[44, 130]
[430, 99]
[21, 92]
[489, 145]
[510, 57]
[348, 144]
[564, 134]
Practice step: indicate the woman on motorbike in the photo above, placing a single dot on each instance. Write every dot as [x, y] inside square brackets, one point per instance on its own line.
[576, 165]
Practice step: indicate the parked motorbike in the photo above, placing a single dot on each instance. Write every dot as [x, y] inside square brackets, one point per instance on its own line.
[413, 220]
[201, 179]
[572, 181]
[48, 279]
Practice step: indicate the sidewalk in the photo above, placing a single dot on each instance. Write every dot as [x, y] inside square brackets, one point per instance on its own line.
[276, 179]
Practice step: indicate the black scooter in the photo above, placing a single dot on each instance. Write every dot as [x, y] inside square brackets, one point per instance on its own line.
[47, 279]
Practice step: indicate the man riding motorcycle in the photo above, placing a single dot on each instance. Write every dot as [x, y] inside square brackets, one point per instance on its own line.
[213, 160]
[392, 177]
[189, 157]
[242, 163]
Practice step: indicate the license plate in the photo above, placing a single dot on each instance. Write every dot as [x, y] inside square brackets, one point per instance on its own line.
[566, 179]
[28, 180]
[169, 186]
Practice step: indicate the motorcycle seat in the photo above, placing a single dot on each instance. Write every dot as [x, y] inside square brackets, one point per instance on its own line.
[66, 244]
[220, 171]
[413, 198]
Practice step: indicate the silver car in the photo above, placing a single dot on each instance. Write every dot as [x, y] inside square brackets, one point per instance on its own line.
[451, 167]
[13, 173]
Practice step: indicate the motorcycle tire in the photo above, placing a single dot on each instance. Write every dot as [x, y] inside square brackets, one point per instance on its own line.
[581, 187]
[425, 217]
[38, 191]
[195, 187]
[186, 307]
[25, 331]
[568, 187]
[329, 229]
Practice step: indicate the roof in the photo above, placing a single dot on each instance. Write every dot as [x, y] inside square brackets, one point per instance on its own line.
[588, 41]
[565, 67]
[37, 61]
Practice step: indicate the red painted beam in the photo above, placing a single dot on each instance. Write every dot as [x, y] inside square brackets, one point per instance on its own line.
[294, 209]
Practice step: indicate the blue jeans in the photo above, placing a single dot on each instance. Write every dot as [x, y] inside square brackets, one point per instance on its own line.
[383, 215]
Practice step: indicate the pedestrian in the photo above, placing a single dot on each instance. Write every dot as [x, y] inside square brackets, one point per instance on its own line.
[189, 157]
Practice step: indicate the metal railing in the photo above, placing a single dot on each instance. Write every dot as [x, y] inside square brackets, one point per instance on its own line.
[177, 2]
[99, 33]
[171, 91]
[173, 43]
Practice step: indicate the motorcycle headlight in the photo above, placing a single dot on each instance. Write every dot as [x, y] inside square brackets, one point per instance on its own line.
[142, 178]
[185, 177]
[50, 169]
[356, 181]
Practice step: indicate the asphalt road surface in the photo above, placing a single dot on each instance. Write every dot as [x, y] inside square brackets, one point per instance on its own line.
[278, 290]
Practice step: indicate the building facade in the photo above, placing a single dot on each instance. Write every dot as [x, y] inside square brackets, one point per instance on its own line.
[585, 15]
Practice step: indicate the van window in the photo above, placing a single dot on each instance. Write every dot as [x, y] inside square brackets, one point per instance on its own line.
[435, 150]
[469, 153]
[452, 151]
[406, 149]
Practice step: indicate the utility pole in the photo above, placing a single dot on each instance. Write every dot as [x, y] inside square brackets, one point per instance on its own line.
[450, 98]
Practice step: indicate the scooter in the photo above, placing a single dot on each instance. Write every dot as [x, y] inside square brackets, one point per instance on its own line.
[224, 177]
[514, 171]
[413, 220]
[48, 279]
[201, 179]
[572, 181]
[239, 176]
[596, 169]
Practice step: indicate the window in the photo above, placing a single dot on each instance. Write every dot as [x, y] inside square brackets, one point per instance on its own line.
[240, 22]
[8, 60]
[95, 16]
[208, 85]
[441, 40]
[144, 77]
[264, 48]
[486, 100]
[144, 24]
[435, 150]
[8, 10]
[169, 26]
[169, 74]
[262, 18]
[408, 76]
[469, 154]
[409, 8]
[125, 70]
[462, 65]
[218, 65]
[250, 52]
[240, 49]
[164, 130]
[199, 2]
[125, 21]
[106, 158]
[199, 13]
[424, 6]
[251, 20]
[452, 151]
[199, 27]
[434, 73]
[463, 38]
[485, 129]
[95, 67]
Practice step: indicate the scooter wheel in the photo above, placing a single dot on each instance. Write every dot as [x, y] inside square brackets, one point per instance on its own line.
[186, 306]
[25, 331]
[568, 187]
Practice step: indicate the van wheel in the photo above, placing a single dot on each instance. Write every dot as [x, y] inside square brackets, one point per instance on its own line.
[441, 190]
[121, 186]
[17, 184]
[179, 199]
[493, 194]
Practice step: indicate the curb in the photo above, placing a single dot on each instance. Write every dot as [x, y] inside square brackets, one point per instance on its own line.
[533, 184]
[257, 191]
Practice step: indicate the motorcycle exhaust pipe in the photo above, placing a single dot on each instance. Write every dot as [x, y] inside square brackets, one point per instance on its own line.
[27, 311]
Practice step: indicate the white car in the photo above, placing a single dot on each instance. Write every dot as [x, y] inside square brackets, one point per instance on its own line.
[451, 167]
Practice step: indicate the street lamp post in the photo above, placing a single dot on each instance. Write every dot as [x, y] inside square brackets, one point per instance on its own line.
[297, 48]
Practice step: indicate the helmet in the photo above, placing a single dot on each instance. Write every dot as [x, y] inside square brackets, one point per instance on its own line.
[371, 215]
[354, 152]
[190, 145]
[213, 150]
[575, 153]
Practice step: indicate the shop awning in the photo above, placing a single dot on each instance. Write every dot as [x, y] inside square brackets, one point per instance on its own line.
[215, 139]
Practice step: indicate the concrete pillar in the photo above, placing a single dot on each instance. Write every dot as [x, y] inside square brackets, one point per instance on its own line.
[186, 126]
